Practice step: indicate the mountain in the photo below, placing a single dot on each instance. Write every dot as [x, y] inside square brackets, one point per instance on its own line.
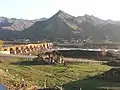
[62, 26]
[17, 24]
[59, 25]
[11, 27]
[99, 29]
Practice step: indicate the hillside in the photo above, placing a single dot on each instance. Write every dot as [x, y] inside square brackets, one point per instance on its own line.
[17, 24]
[11, 27]
[99, 29]
[63, 25]
[59, 25]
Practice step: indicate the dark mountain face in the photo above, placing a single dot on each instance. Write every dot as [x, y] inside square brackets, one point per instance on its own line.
[8, 34]
[62, 25]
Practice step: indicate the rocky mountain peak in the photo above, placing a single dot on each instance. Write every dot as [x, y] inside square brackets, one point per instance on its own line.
[62, 14]
[4, 21]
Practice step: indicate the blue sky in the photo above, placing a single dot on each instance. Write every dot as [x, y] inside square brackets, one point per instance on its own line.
[35, 9]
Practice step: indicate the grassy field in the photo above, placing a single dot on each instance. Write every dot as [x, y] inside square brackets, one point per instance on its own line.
[73, 75]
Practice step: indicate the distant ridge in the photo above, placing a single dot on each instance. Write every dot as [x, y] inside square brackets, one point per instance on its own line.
[17, 24]
[11, 27]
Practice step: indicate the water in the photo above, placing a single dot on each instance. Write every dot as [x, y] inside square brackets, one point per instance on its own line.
[2, 87]
[108, 50]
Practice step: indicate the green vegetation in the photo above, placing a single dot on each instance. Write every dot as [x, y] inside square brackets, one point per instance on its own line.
[74, 27]
[1, 43]
[68, 76]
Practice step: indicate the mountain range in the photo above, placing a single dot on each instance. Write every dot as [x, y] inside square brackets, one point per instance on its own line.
[61, 25]
[11, 27]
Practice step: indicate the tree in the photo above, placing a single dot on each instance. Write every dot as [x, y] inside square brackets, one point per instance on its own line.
[103, 52]
[1, 43]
